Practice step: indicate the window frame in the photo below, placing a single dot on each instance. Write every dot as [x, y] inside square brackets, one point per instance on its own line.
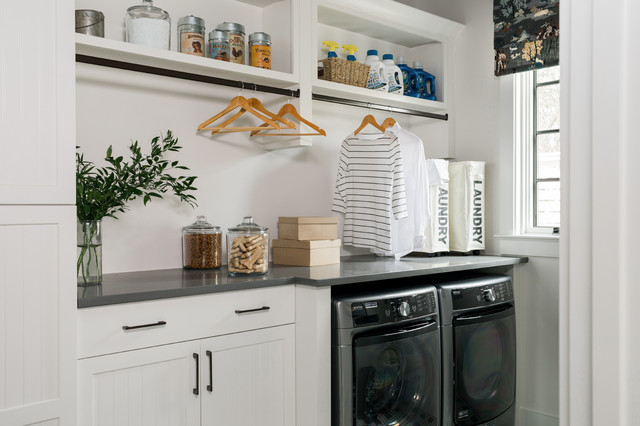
[525, 154]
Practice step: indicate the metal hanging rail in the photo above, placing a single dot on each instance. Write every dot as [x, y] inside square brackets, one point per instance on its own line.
[387, 108]
[185, 75]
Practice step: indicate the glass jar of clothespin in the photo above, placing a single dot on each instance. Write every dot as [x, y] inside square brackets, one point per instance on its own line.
[248, 248]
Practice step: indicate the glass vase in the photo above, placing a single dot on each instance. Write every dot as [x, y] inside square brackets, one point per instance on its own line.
[89, 266]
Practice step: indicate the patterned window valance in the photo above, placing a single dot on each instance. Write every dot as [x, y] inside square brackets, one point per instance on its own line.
[526, 35]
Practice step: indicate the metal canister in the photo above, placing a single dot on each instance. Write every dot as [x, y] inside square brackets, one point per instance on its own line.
[219, 45]
[236, 40]
[191, 35]
[90, 22]
[260, 50]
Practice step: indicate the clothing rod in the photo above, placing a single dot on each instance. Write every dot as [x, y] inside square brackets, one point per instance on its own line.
[387, 108]
[185, 75]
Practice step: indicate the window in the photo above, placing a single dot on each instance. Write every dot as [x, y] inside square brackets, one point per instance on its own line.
[537, 150]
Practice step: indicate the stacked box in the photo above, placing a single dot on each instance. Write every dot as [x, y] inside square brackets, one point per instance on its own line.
[307, 241]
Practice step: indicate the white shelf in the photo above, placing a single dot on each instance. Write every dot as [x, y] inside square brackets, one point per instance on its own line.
[170, 60]
[330, 88]
[387, 20]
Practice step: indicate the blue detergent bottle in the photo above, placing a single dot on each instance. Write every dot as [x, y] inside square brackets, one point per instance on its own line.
[426, 82]
[409, 78]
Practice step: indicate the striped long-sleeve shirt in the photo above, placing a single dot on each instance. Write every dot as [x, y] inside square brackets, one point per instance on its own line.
[369, 188]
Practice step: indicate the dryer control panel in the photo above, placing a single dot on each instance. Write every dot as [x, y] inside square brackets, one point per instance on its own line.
[394, 309]
[464, 298]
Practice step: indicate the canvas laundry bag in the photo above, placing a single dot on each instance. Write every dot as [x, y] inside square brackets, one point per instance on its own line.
[467, 206]
[437, 232]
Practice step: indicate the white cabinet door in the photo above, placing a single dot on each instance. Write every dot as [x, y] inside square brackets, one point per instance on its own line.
[145, 387]
[37, 102]
[37, 315]
[249, 378]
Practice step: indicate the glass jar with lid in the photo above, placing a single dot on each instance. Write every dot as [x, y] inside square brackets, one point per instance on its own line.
[148, 25]
[248, 248]
[201, 245]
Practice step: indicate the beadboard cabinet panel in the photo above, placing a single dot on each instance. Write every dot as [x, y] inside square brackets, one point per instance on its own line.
[37, 101]
[146, 387]
[252, 378]
[37, 314]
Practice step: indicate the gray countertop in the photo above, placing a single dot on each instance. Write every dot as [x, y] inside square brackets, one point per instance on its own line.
[166, 283]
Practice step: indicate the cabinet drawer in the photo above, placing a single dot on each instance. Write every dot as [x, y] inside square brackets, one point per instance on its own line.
[101, 329]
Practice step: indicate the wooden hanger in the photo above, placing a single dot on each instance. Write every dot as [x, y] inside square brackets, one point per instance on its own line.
[291, 110]
[256, 105]
[245, 106]
[388, 122]
[368, 119]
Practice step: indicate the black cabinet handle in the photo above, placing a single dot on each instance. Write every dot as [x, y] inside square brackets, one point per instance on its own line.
[196, 390]
[246, 311]
[133, 327]
[210, 385]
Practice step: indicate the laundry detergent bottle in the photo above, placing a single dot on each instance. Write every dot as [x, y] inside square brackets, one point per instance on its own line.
[377, 77]
[409, 79]
[426, 82]
[394, 75]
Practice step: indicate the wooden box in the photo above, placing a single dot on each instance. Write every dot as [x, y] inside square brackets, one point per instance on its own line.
[306, 253]
[308, 228]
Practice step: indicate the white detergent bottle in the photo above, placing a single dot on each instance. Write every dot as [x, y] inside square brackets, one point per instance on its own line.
[394, 75]
[377, 76]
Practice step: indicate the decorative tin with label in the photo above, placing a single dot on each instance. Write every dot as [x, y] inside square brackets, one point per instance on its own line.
[236, 40]
[260, 50]
[219, 45]
[191, 35]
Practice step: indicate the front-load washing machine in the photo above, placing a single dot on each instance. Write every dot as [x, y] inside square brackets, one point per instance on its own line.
[386, 359]
[478, 327]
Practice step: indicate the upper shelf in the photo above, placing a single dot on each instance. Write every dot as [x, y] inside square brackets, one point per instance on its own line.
[330, 88]
[170, 60]
[387, 20]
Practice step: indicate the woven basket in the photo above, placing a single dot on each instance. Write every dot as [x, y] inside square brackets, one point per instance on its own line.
[345, 72]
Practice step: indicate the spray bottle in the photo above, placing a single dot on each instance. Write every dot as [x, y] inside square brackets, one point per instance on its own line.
[351, 49]
[332, 46]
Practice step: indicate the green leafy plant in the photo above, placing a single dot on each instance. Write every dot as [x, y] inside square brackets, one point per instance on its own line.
[103, 192]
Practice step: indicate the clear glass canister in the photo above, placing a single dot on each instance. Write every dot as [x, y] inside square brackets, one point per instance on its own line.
[248, 248]
[236, 40]
[148, 25]
[201, 245]
[219, 45]
[191, 35]
[260, 50]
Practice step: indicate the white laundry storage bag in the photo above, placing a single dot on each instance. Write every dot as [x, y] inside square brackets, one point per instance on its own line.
[466, 206]
[437, 232]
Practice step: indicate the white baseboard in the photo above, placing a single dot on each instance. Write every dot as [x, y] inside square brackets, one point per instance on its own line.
[533, 418]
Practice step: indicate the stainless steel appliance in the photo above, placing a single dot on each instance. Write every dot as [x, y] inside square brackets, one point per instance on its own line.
[386, 359]
[479, 351]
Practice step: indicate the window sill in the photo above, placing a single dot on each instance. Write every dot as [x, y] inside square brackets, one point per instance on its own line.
[529, 245]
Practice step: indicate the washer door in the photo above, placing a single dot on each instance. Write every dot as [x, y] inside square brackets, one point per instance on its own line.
[485, 366]
[397, 377]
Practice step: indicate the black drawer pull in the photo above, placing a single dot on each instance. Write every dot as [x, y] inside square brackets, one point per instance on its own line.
[196, 390]
[246, 311]
[210, 385]
[133, 327]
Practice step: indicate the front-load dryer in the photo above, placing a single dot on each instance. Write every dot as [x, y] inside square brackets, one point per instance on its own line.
[478, 327]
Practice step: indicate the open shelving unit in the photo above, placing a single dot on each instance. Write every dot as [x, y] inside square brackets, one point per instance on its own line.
[385, 25]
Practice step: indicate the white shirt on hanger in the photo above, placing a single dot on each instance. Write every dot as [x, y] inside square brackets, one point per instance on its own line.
[408, 234]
